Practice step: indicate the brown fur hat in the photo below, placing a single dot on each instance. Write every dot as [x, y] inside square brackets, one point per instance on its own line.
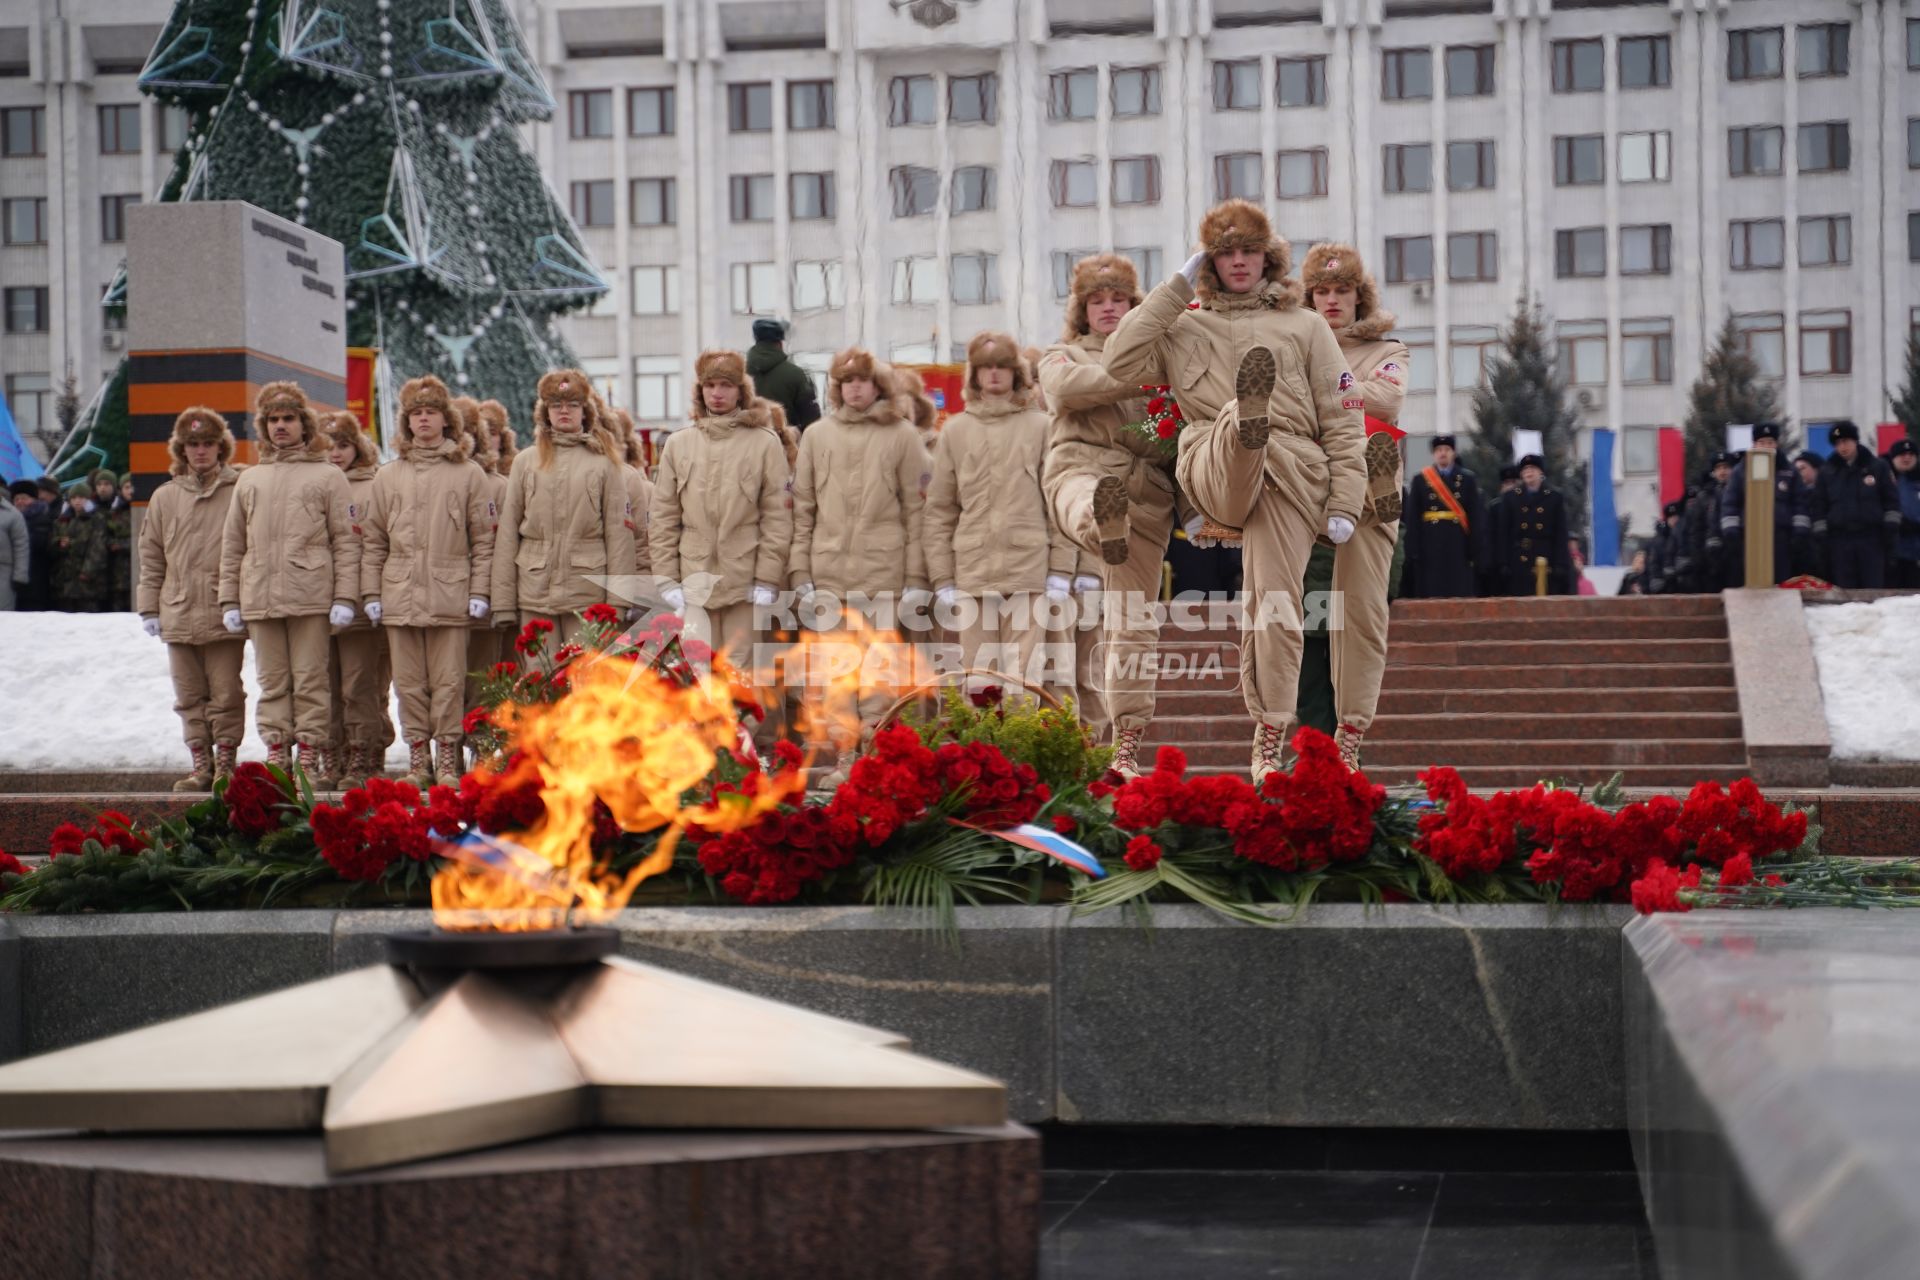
[1241, 224]
[343, 428]
[567, 386]
[428, 392]
[1091, 274]
[1340, 264]
[198, 424]
[858, 362]
[926, 414]
[720, 366]
[998, 351]
[776, 416]
[284, 397]
[501, 444]
[479, 438]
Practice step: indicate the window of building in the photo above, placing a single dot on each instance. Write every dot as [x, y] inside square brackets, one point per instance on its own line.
[1826, 343]
[1408, 167]
[1420, 366]
[1470, 165]
[30, 397]
[911, 100]
[656, 389]
[1763, 336]
[26, 308]
[1409, 258]
[1825, 147]
[1472, 350]
[656, 291]
[1913, 237]
[809, 105]
[1646, 250]
[120, 129]
[1583, 352]
[113, 217]
[1754, 53]
[650, 112]
[1579, 66]
[1406, 74]
[750, 108]
[750, 197]
[25, 220]
[1473, 255]
[810, 197]
[1236, 175]
[1913, 44]
[1136, 180]
[1063, 260]
[1755, 150]
[818, 286]
[1073, 95]
[1073, 183]
[976, 278]
[1913, 143]
[592, 203]
[1302, 82]
[1236, 85]
[1146, 263]
[1826, 241]
[23, 131]
[1136, 92]
[1646, 62]
[1646, 352]
[1640, 450]
[654, 202]
[916, 281]
[1303, 174]
[590, 113]
[1579, 161]
[1820, 49]
[1580, 251]
[974, 99]
[170, 125]
[973, 189]
[916, 191]
[1469, 70]
[1645, 157]
[1758, 245]
[755, 288]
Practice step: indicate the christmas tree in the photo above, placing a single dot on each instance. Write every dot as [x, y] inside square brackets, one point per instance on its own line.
[1525, 392]
[391, 126]
[1906, 401]
[1728, 391]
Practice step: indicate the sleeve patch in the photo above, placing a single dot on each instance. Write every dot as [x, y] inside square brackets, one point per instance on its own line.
[1353, 402]
[1391, 366]
[1346, 380]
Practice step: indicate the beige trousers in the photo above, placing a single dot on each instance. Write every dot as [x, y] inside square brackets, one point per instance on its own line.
[208, 693]
[292, 657]
[361, 676]
[1119, 667]
[1009, 637]
[1361, 569]
[429, 674]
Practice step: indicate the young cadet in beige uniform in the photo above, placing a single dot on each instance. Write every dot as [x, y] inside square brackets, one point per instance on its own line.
[639, 490]
[1343, 293]
[360, 674]
[563, 522]
[179, 576]
[289, 573]
[427, 572]
[491, 643]
[858, 488]
[483, 636]
[1274, 444]
[987, 536]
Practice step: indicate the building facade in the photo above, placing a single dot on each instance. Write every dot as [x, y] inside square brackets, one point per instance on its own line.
[904, 173]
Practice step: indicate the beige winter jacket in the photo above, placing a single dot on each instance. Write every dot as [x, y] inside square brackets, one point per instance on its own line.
[639, 513]
[1316, 452]
[857, 495]
[359, 505]
[429, 538]
[496, 490]
[288, 550]
[180, 541]
[561, 527]
[1379, 364]
[721, 506]
[986, 515]
[1090, 436]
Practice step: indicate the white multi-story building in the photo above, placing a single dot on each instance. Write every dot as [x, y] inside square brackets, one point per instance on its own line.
[904, 173]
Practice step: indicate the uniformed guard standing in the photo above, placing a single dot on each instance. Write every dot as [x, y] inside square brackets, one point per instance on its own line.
[1446, 536]
[1904, 458]
[1532, 525]
[1792, 521]
[1663, 557]
[1705, 548]
[1856, 511]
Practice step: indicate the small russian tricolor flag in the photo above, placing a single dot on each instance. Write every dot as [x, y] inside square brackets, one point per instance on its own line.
[1051, 843]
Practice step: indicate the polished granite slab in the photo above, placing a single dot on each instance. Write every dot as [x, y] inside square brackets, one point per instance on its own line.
[1772, 1062]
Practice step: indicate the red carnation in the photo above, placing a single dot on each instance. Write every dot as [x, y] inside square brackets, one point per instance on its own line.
[1660, 888]
[600, 615]
[1143, 854]
[1156, 404]
[508, 668]
[66, 839]
[1165, 428]
[1736, 871]
[10, 865]
[475, 720]
[1065, 824]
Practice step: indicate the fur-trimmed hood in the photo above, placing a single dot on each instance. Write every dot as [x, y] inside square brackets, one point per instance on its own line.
[720, 366]
[998, 351]
[752, 414]
[1090, 275]
[282, 397]
[198, 423]
[501, 443]
[1340, 264]
[1241, 224]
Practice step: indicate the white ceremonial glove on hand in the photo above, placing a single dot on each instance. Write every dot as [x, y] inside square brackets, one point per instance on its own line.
[341, 615]
[1192, 270]
[1085, 582]
[478, 609]
[761, 595]
[676, 598]
[150, 625]
[1057, 587]
[946, 595]
[373, 612]
[1339, 528]
[802, 591]
[1195, 523]
[233, 622]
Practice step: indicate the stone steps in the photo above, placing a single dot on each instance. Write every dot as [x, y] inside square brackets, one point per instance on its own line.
[1438, 733]
[1598, 608]
[1617, 675]
[1545, 758]
[1445, 630]
[1527, 702]
[1493, 652]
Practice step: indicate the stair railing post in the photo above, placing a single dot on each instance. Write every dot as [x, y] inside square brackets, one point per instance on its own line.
[1759, 526]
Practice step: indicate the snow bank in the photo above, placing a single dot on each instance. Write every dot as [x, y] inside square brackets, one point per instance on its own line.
[1865, 653]
[91, 691]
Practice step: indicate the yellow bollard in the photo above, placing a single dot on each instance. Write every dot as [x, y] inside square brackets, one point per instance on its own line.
[1759, 517]
[1539, 575]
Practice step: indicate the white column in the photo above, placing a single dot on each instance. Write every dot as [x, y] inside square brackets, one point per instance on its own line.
[1873, 373]
[1693, 155]
[850, 169]
[1895, 290]
[942, 223]
[873, 279]
[1353, 50]
[782, 204]
[1027, 283]
[1610, 114]
[695, 284]
[1270, 147]
[1790, 224]
[1103, 152]
[1440, 221]
[712, 268]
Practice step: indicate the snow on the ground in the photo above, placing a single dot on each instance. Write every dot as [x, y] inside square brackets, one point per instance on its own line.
[92, 691]
[1865, 653]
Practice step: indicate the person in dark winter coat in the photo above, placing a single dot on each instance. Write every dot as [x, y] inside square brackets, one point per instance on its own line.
[1856, 512]
[1663, 555]
[1705, 548]
[82, 574]
[1446, 522]
[1532, 525]
[39, 502]
[778, 378]
[1905, 459]
[16, 554]
[1792, 514]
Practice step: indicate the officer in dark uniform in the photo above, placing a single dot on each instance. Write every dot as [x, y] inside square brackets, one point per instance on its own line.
[1532, 525]
[1792, 514]
[1661, 555]
[1706, 549]
[1904, 459]
[1856, 512]
[1443, 544]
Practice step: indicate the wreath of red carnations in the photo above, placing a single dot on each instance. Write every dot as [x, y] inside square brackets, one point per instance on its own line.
[1162, 426]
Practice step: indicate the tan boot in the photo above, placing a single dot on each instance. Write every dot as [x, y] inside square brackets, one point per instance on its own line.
[322, 770]
[226, 757]
[1126, 753]
[419, 764]
[201, 779]
[1268, 742]
[447, 767]
[1110, 507]
[1347, 738]
[1383, 476]
[280, 756]
[1253, 388]
[355, 773]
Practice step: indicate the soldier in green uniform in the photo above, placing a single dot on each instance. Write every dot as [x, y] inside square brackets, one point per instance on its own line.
[81, 574]
[117, 511]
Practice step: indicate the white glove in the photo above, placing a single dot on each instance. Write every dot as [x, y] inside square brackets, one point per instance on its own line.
[946, 595]
[1195, 523]
[233, 622]
[373, 612]
[478, 608]
[341, 615]
[761, 595]
[1192, 270]
[802, 591]
[1057, 587]
[150, 625]
[676, 598]
[1085, 582]
[1339, 528]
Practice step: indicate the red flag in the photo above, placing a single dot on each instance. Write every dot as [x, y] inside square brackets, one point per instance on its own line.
[1673, 465]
